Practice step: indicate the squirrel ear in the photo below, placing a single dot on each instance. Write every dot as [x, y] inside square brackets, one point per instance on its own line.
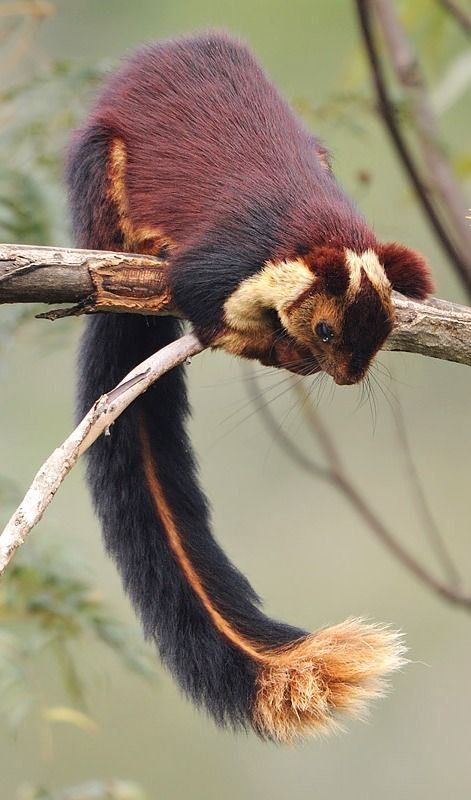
[407, 271]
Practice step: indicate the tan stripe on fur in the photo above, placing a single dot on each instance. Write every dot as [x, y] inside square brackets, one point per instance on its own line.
[165, 514]
[369, 262]
[136, 239]
[300, 686]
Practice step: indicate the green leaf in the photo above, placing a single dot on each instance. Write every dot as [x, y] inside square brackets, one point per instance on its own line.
[48, 610]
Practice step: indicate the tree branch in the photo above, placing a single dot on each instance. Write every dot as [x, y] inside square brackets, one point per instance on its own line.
[431, 529]
[122, 282]
[336, 476]
[95, 279]
[98, 420]
[435, 328]
[459, 259]
[461, 16]
[410, 76]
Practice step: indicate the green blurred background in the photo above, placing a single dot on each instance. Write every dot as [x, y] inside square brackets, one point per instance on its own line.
[304, 548]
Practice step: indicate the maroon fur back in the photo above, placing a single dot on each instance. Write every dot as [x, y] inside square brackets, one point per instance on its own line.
[206, 134]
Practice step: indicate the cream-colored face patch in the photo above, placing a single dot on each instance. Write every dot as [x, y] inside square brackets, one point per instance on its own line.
[367, 261]
[276, 286]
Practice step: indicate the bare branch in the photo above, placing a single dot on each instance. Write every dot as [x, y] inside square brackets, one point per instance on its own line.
[459, 259]
[436, 328]
[126, 282]
[103, 413]
[409, 74]
[337, 477]
[462, 17]
[97, 279]
[431, 529]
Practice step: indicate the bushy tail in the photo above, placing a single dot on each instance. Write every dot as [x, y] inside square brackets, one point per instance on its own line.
[244, 668]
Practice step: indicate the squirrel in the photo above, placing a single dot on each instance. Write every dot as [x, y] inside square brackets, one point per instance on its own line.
[190, 153]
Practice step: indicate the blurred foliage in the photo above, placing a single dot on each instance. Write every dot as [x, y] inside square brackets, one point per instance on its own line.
[443, 52]
[47, 609]
[24, 215]
[10, 320]
[435, 33]
[37, 116]
[347, 109]
[93, 790]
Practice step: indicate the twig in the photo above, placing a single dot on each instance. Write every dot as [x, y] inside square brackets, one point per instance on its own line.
[124, 282]
[386, 107]
[431, 528]
[462, 17]
[336, 476]
[409, 74]
[102, 414]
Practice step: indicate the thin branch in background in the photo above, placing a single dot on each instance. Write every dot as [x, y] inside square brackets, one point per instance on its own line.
[457, 11]
[431, 529]
[277, 433]
[337, 477]
[314, 423]
[101, 416]
[407, 69]
[387, 110]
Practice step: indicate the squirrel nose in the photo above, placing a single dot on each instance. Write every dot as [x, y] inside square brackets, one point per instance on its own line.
[344, 380]
[340, 373]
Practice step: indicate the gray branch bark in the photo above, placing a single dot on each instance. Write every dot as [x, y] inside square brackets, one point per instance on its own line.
[100, 281]
[435, 328]
[96, 279]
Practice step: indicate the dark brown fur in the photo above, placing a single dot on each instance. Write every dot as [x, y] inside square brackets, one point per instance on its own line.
[407, 270]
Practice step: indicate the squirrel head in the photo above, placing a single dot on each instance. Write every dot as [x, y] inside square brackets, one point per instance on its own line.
[344, 316]
[330, 309]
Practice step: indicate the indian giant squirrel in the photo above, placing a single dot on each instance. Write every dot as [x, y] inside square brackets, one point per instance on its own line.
[190, 153]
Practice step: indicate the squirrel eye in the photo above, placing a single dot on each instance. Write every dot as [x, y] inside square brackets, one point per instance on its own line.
[324, 332]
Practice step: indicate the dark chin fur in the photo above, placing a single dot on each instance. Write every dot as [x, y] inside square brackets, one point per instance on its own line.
[367, 323]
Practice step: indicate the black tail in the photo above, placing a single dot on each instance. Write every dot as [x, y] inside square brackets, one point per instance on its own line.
[246, 669]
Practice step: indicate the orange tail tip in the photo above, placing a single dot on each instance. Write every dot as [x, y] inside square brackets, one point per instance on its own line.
[337, 669]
